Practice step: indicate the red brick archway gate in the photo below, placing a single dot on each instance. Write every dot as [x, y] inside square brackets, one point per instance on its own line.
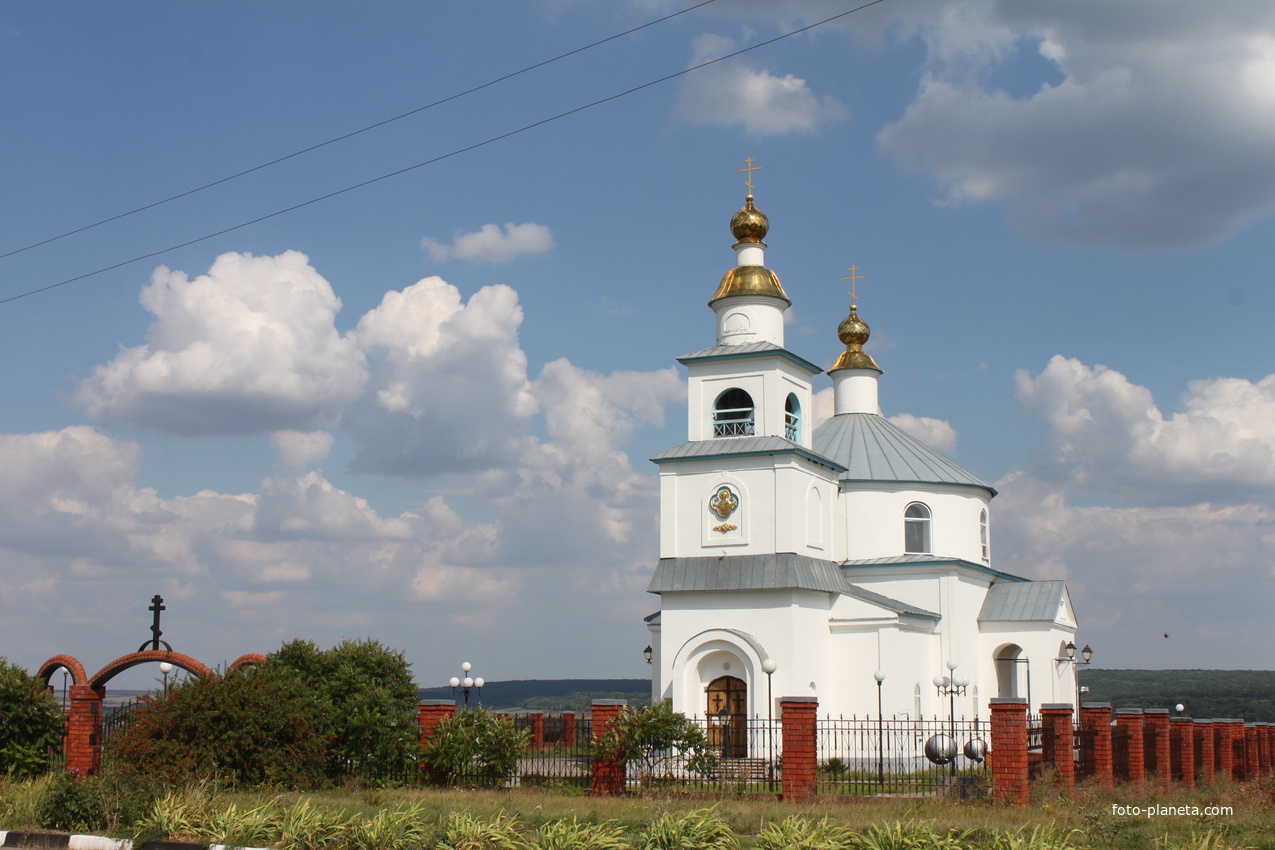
[84, 721]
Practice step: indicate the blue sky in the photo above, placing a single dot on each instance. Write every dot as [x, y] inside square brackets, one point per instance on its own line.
[421, 410]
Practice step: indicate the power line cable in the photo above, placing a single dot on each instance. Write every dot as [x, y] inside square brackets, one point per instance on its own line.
[354, 133]
[441, 157]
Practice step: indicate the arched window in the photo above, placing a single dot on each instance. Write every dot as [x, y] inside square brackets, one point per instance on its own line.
[982, 535]
[733, 414]
[792, 418]
[916, 529]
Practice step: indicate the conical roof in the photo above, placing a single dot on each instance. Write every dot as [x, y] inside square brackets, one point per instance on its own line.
[872, 448]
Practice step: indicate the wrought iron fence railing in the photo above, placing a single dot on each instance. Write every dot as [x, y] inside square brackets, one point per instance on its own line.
[867, 756]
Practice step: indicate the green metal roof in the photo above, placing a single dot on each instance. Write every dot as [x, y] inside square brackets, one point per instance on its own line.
[871, 448]
[721, 447]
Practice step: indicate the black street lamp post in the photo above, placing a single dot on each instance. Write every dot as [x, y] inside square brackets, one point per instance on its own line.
[464, 685]
[951, 687]
[880, 679]
[1070, 658]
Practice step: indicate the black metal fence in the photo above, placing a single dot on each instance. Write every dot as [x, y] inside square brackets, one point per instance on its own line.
[559, 751]
[887, 756]
[117, 719]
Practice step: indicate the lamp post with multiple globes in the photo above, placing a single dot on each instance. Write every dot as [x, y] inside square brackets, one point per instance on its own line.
[951, 687]
[464, 685]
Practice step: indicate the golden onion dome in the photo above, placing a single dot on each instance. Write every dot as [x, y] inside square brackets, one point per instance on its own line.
[750, 224]
[750, 280]
[853, 333]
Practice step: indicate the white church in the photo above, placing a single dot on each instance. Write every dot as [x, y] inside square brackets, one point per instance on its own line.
[846, 562]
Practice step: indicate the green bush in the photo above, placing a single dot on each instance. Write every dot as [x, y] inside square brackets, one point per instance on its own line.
[697, 830]
[656, 736]
[71, 804]
[474, 748]
[30, 722]
[250, 727]
[369, 703]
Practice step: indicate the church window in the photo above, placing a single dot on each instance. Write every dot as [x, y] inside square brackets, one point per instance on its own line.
[733, 414]
[982, 534]
[916, 529]
[792, 418]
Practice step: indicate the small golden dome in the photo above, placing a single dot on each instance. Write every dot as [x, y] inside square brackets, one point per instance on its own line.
[749, 224]
[853, 333]
[750, 280]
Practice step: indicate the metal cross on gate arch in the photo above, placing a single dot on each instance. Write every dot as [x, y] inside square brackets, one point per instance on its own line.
[157, 605]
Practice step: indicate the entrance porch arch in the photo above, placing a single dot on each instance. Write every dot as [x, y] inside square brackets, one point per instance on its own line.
[1013, 673]
[711, 655]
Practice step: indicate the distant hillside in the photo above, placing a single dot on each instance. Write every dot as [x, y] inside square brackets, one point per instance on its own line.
[551, 694]
[1249, 694]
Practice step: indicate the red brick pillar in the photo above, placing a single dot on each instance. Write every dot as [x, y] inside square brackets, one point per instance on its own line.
[1238, 744]
[1096, 717]
[1182, 736]
[537, 730]
[1226, 749]
[1059, 741]
[1251, 760]
[608, 776]
[1263, 748]
[569, 729]
[1130, 720]
[84, 730]
[429, 714]
[1008, 754]
[1156, 722]
[1208, 750]
[797, 717]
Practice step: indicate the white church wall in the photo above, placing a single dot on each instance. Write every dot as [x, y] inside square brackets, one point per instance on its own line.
[1040, 645]
[753, 625]
[872, 518]
[742, 319]
[773, 494]
[768, 380]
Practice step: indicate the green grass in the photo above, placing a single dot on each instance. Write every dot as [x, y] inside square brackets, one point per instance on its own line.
[351, 819]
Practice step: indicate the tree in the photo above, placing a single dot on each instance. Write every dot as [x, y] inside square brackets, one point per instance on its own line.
[368, 698]
[474, 747]
[31, 722]
[252, 726]
[656, 737]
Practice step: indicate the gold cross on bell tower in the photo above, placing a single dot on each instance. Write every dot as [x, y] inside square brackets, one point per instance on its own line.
[750, 168]
[852, 278]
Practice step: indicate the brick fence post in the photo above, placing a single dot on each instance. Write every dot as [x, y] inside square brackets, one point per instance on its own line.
[84, 730]
[607, 779]
[537, 730]
[429, 714]
[1156, 722]
[1130, 720]
[1263, 748]
[1182, 735]
[1251, 759]
[1096, 717]
[1059, 741]
[1208, 750]
[1008, 754]
[569, 729]
[798, 717]
[1225, 748]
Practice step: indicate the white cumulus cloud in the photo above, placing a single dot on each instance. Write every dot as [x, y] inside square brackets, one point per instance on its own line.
[449, 391]
[731, 93]
[492, 245]
[1108, 435]
[248, 347]
[1152, 132]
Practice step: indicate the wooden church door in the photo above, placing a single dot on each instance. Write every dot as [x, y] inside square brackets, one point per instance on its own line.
[728, 716]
